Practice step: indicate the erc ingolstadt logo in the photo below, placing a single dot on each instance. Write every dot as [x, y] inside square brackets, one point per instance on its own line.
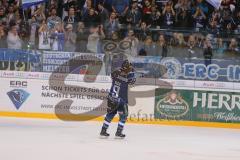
[174, 67]
[172, 105]
[18, 97]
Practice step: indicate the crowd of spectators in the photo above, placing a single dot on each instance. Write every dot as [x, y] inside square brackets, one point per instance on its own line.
[153, 27]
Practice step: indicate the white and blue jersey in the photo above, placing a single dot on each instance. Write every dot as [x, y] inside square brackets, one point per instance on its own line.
[118, 98]
[119, 88]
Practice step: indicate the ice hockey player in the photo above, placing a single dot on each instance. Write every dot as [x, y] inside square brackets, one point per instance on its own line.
[118, 98]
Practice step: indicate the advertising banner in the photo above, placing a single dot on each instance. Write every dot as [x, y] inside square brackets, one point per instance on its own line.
[60, 95]
[199, 69]
[147, 66]
[71, 62]
[38, 96]
[72, 96]
[19, 60]
[196, 105]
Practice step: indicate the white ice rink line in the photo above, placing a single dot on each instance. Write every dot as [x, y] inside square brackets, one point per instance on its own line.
[36, 139]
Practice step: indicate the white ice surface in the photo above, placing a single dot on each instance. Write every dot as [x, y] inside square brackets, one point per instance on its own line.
[36, 139]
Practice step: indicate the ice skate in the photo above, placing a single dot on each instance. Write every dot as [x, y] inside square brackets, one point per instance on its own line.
[103, 133]
[119, 134]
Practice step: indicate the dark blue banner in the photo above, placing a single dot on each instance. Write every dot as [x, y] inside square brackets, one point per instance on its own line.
[22, 60]
[202, 69]
[53, 61]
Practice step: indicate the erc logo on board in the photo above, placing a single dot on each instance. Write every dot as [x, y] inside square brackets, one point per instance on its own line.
[18, 96]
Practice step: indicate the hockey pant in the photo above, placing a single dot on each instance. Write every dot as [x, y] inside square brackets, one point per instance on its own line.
[113, 108]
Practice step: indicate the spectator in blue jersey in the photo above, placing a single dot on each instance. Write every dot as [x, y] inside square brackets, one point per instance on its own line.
[85, 10]
[213, 27]
[102, 13]
[71, 18]
[67, 5]
[134, 15]
[226, 20]
[108, 5]
[53, 19]
[155, 17]
[57, 38]
[120, 7]
[168, 16]
[118, 98]
[43, 37]
[200, 4]
[112, 24]
[95, 3]
[199, 19]
[91, 18]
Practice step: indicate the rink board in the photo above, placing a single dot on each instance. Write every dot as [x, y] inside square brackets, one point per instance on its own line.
[32, 95]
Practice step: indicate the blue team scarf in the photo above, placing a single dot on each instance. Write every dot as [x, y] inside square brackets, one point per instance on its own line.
[215, 3]
[28, 3]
